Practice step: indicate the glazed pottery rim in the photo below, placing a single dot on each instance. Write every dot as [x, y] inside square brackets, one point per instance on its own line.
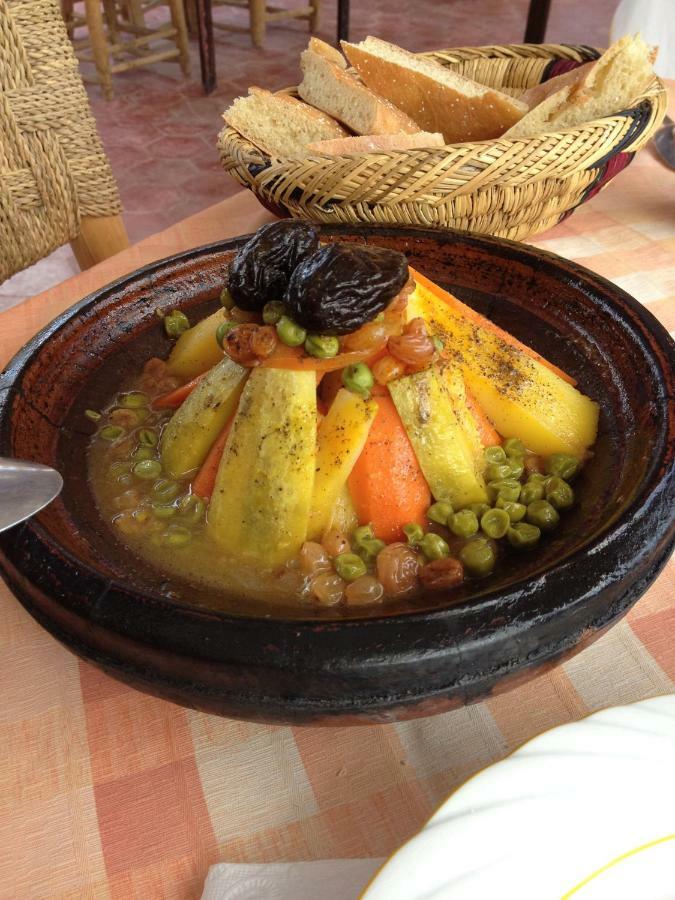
[604, 539]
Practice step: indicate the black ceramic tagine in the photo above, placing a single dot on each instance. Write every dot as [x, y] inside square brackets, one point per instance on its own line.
[289, 665]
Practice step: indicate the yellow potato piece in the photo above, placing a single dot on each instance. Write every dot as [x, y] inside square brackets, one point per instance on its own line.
[341, 438]
[344, 516]
[443, 451]
[191, 431]
[521, 397]
[259, 510]
[197, 350]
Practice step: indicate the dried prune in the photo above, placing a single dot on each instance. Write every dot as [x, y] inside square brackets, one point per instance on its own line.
[343, 286]
[261, 270]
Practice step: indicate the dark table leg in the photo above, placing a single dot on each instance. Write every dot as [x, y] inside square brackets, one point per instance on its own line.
[537, 19]
[343, 20]
[207, 50]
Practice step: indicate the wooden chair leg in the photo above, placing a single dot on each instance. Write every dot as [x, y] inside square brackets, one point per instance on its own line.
[537, 20]
[99, 45]
[68, 13]
[258, 21]
[178, 21]
[191, 16]
[314, 17]
[207, 49]
[99, 238]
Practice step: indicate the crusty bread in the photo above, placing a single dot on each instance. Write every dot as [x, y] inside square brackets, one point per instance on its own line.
[437, 98]
[316, 45]
[607, 86]
[343, 96]
[369, 143]
[278, 124]
[535, 95]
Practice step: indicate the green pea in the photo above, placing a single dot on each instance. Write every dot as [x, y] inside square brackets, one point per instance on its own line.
[322, 346]
[563, 465]
[175, 323]
[516, 511]
[142, 515]
[478, 509]
[497, 471]
[192, 508]
[93, 415]
[433, 546]
[369, 549]
[440, 512]
[358, 379]
[349, 566]
[126, 480]
[514, 447]
[464, 523]
[517, 467]
[121, 467]
[523, 535]
[537, 478]
[289, 333]
[163, 512]
[111, 432]
[506, 488]
[495, 454]
[165, 489]
[273, 311]
[495, 523]
[143, 453]
[543, 515]
[414, 533]
[362, 533]
[438, 343]
[226, 299]
[559, 494]
[132, 400]
[478, 557]
[148, 437]
[222, 331]
[147, 469]
[176, 536]
[533, 490]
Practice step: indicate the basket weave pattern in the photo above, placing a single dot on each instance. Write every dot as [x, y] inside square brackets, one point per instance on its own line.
[52, 165]
[511, 188]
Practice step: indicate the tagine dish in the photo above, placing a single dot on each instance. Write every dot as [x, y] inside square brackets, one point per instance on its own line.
[341, 433]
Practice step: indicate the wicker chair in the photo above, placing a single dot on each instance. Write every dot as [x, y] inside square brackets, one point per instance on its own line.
[56, 184]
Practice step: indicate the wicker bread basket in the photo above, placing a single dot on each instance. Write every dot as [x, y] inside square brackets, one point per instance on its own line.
[511, 188]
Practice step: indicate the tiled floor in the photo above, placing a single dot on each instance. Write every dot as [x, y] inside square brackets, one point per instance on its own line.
[160, 130]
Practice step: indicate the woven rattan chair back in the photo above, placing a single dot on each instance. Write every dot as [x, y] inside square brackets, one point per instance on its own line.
[54, 174]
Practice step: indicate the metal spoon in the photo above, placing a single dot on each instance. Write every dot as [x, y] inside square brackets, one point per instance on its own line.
[25, 488]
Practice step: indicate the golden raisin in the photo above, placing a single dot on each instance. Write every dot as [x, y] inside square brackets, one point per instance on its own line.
[371, 336]
[441, 574]
[335, 542]
[397, 567]
[314, 559]
[327, 588]
[387, 368]
[414, 347]
[364, 591]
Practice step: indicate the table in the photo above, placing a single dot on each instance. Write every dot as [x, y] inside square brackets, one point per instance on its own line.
[108, 793]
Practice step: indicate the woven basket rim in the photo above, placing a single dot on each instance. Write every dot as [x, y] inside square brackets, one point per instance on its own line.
[655, 90]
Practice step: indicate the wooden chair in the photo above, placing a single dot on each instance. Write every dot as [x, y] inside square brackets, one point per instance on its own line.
[260, 14]
[56, 184]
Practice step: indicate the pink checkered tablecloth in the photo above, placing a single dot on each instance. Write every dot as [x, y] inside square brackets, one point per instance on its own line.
[105, 792]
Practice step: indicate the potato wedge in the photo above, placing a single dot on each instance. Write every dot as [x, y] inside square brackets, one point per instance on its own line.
[196, 350]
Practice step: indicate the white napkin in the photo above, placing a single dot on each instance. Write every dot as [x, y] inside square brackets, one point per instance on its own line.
[329, 879]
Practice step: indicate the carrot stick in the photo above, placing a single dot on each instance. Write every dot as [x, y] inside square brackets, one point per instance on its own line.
[295, 358]
[173, 399]
[475, 317]
[488, 436]
[205, 479]
[386, 484]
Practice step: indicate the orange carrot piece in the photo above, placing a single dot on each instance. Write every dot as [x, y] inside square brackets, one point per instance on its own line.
[295, 358]
[387, 486]
[476, 317]
[205, 480]
[488, 436]
[173, 399]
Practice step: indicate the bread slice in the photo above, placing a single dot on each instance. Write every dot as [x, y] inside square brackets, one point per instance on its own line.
[341, 94]
[437, 98]
[278, 124]
[535, 95]
[607, 86]
[316, 45]
[372, 143]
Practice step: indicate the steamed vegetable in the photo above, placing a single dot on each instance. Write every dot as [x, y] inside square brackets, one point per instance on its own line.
[341, 437]
[194, 427]
[260, 506]
[205, 479]
[387, 486]
[196, 350]
[521, 396]
[432, 420]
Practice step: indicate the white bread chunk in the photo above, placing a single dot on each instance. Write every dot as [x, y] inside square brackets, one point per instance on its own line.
[372, 143]
[535, 95]
[341, 95]
[316, 45]
[607, 86]
[278, 124]
[437, 98]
